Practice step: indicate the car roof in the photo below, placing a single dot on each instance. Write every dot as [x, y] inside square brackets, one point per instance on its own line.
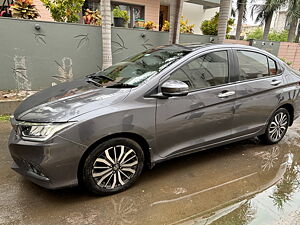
[200, 46]
[197, 46]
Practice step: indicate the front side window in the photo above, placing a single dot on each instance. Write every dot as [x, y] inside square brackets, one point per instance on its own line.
[252, 65]
[206, 71]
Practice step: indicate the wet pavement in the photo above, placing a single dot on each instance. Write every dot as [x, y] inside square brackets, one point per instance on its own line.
[237, 184]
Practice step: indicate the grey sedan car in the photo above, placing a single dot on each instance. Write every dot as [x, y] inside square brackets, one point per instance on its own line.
[101, 130]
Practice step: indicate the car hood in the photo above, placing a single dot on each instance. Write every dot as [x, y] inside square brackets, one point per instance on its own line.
[66, 101]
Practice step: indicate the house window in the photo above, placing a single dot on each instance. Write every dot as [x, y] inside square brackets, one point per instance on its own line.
[91, 5]
[135, 12]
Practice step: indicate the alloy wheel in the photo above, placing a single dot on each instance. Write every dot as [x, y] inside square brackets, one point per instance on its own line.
[115, 167]
[278, 126]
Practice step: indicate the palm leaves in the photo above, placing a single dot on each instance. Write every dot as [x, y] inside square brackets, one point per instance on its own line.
[293, 16]
[265, 13]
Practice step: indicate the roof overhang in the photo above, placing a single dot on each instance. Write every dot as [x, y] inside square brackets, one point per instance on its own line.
[207, 4]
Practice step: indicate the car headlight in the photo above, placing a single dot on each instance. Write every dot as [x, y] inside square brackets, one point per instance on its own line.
[40, 131]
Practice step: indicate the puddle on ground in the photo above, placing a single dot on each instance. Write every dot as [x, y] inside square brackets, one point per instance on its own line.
[237, 184]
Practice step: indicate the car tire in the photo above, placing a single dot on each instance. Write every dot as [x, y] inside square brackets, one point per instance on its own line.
[113, 166]
[277, 127]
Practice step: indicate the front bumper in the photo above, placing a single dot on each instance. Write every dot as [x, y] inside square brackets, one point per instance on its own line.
[52, 164]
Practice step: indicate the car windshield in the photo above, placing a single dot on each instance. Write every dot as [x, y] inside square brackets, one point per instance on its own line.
[134, 70]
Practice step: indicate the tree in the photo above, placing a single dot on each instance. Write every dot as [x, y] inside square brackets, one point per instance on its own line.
[265, 13]
[64, 10]
[223, 20]
[175, 15]
[298, 34]
[241, 8]
[293, 15]
[106, 33]
[210, 27]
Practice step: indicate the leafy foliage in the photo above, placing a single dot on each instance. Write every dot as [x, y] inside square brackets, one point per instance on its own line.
[64, 10]
[118, 13]
[210, 27]
[24, 9]
[257, 34]
[166, 26]
[278, 36]
[184, 26]
[4, 117]
[92, 17]
[265, 10]
[150, 25]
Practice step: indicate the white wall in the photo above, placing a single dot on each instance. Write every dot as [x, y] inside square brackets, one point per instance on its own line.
[196, 14]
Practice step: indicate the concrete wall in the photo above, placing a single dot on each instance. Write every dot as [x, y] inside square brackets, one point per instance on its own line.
[32, 59]
[291, 53]
[240, 42]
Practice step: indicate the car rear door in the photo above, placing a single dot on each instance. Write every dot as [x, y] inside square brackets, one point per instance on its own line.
[203, 117]
[258, 91]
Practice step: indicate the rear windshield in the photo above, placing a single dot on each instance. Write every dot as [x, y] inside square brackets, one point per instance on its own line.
[136, 69]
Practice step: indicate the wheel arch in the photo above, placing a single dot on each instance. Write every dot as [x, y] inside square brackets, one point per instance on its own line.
[290, 108]
[133, 136]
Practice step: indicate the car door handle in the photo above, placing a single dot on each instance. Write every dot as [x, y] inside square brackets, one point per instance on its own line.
[226, 94]
[275, 82]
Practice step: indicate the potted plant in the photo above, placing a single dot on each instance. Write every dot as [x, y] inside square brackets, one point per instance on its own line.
[150, 25]
[24, 9]
[120, 17]
[92, 17]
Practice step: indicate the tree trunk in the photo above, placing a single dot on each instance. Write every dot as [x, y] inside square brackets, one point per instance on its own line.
[298, 33]
[106, 33]
[223, 20]
[267, 27]
[239, 22]
[175, 15]
[292, 30]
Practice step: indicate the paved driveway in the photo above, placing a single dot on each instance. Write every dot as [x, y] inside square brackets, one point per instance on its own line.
[241, 183]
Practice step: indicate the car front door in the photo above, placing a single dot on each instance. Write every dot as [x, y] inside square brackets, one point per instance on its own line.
[258, 91]
[205, 115]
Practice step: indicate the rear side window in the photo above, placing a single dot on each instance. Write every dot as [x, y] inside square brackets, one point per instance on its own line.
[206, 71]
[252, 65]
[272, 67]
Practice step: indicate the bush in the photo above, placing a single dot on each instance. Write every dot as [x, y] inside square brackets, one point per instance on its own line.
[210, 27]
[257, 34]
[184, 26]
[278, 36]
[64, 10]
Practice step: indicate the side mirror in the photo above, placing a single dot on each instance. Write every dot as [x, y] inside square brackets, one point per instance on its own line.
[174, 88]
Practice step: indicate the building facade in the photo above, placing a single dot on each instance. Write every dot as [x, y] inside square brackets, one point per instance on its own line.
[195, 11]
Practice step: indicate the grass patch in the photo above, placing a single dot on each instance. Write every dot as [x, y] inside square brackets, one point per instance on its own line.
[4, 117]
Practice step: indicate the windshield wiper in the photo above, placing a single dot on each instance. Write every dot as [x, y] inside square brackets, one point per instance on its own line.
[122, 85]
[98, 76]
[89, 80]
